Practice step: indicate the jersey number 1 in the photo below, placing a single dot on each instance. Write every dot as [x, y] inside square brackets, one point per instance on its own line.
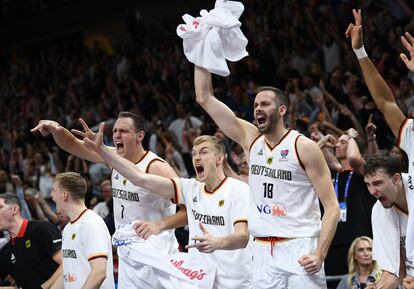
[268, 190]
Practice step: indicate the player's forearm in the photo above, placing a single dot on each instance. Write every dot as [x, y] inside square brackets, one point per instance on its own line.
[155, 184]
[175, 221]
[388, 281]
[202, 84]
[53, 279]
[353, 154]
[95, 279]
[329, 224]
[377, 86]
[234, 241]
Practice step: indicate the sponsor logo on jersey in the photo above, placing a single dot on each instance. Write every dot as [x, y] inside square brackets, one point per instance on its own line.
[271, 173]
[12, 258]
[191, 273]
[195, 199]
[221, 203]
[124, 182]
[28, 244]
[69, 277]
[410, 183]
[208, 220]
[125, 195]
[276, 210]
[68, 253]
[73, 236]
[260, 153]
[117, 176]
[284, 155]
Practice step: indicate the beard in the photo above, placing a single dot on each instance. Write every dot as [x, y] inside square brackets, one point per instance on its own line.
[272, 120]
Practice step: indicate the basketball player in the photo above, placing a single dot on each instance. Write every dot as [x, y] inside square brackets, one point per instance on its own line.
[216, 207]
[130, 202]
[86, 243]
[288, 174]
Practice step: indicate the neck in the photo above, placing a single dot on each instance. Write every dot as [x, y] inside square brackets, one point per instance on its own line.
[214, 181]
[74, 211]
[365, 270]
[345, 165]
[137, 156]
[15, 227]
[274, 137]
[401, 200]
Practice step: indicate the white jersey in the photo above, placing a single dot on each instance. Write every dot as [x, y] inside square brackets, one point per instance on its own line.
[136, 203]
[283, 202]
[389, 231]
[218, 211]
[406, 143]
[83, 240]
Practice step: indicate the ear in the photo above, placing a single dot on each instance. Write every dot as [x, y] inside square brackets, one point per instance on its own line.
[65, 195]
[396, 178]
[282, 109]
[15, 209]
[220, 159]
[140, 136]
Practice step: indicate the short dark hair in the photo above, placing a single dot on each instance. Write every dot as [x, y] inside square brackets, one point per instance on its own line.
[280, 96]
[74, 183]
[382, 160]
[11, 199]
[138, 122]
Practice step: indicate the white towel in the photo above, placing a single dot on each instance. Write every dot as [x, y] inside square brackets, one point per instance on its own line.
[215, 36]
[178, 271]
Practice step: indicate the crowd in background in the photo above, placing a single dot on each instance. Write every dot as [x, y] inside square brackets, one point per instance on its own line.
[298, 46]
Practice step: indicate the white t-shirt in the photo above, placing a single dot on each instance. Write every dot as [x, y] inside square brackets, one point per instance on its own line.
[83, 240]
[283, 202]
[406, 143]
[389, 231]
[218, 211]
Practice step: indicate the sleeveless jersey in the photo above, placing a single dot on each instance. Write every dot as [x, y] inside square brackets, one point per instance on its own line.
[283, 202]
[136, 203]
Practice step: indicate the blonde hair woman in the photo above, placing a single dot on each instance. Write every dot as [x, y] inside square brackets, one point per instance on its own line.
[362, 270]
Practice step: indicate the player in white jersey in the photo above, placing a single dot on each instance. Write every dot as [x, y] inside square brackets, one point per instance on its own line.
[401, 127]
[389, 218]
[131, 203]
[86, 243]
[287, 176]
[216, 207]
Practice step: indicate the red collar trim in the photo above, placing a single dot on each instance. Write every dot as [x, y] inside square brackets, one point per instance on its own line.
[81, 214]
[22, 230]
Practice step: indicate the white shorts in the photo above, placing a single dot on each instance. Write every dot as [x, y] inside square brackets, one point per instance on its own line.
[279, 268]
[132, 277]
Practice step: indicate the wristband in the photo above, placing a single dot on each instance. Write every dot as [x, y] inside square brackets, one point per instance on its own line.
[360, 52]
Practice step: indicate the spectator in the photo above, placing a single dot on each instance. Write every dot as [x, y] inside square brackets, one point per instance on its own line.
[362, 270]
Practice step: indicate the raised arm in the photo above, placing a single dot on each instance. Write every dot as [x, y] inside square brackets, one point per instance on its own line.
[318, 173]
[158, 185]
[377, 86]
[235, 128]
[66, 140]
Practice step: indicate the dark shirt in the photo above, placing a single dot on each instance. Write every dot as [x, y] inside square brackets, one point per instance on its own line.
[28, 258]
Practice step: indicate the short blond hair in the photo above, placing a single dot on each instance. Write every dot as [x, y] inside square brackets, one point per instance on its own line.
[74, 183]
[215, 141]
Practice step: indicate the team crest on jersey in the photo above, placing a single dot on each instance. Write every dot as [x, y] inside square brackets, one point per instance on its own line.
[260, 153]
[73, 236]
[124, 182]
[28, 244]
[117, 176]
[195, 199]
[221, 203]
[269, 160]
